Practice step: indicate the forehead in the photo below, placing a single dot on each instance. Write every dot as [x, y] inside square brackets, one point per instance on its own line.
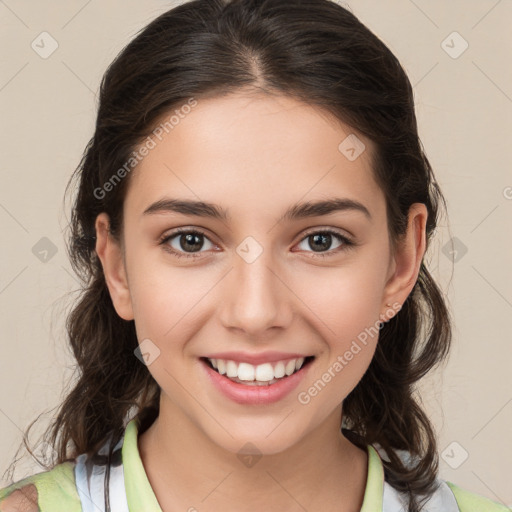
[254, 153]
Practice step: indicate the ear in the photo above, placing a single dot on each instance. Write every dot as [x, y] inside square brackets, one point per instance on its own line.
[111, 256]
[406, 262]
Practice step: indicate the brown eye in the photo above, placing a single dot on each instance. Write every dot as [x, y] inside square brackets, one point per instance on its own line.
[186, 243]
[322, 241]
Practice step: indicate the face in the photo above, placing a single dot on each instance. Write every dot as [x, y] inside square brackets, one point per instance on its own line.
[258, 282]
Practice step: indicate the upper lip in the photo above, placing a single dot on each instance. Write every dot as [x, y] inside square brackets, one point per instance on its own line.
[255, 359]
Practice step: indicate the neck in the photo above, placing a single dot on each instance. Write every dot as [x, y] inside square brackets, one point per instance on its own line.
[187, 469]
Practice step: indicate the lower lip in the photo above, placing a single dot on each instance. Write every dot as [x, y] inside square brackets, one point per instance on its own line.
[243, 394]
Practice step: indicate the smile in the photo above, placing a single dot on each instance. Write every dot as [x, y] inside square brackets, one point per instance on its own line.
[256, 384]
[257, 374]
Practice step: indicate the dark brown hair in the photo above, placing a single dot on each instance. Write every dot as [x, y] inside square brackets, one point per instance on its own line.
[312, 50]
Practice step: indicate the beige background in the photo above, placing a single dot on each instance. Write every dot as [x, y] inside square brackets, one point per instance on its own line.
[464, 108]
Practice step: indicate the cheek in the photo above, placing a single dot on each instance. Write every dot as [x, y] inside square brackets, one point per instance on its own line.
[345, 299]
[345, 317]
[342, 308]
[340, 300]
[166, 299]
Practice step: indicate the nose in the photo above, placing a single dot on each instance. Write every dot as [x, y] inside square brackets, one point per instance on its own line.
[256, 299]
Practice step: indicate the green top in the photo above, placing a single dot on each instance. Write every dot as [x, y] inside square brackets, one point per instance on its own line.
[56, 490]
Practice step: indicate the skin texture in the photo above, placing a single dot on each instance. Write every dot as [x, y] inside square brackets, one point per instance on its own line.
[256, 155]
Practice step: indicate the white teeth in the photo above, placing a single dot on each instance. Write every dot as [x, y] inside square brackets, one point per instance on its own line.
[245, 371]
[265, 372]
[279, 370]
[290, 367]
[221, 366]
[231, 369]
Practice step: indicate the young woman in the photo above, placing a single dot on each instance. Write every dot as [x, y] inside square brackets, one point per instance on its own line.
[251, 221]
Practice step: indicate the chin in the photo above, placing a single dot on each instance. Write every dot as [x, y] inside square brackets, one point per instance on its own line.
[257, 440]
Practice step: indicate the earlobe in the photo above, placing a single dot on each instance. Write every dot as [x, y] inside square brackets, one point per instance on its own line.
[110, 254]
[408, 256]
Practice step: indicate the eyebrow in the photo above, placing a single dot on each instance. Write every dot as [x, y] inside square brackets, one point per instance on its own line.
[297, 211]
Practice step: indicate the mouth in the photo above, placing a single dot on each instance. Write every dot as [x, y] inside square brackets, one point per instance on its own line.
[264, 375]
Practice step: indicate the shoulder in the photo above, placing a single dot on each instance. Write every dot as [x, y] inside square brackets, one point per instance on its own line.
[471, 502]
[447, 497]
[53, 490]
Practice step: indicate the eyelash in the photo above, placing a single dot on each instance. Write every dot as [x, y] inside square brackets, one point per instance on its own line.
[347, 243]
